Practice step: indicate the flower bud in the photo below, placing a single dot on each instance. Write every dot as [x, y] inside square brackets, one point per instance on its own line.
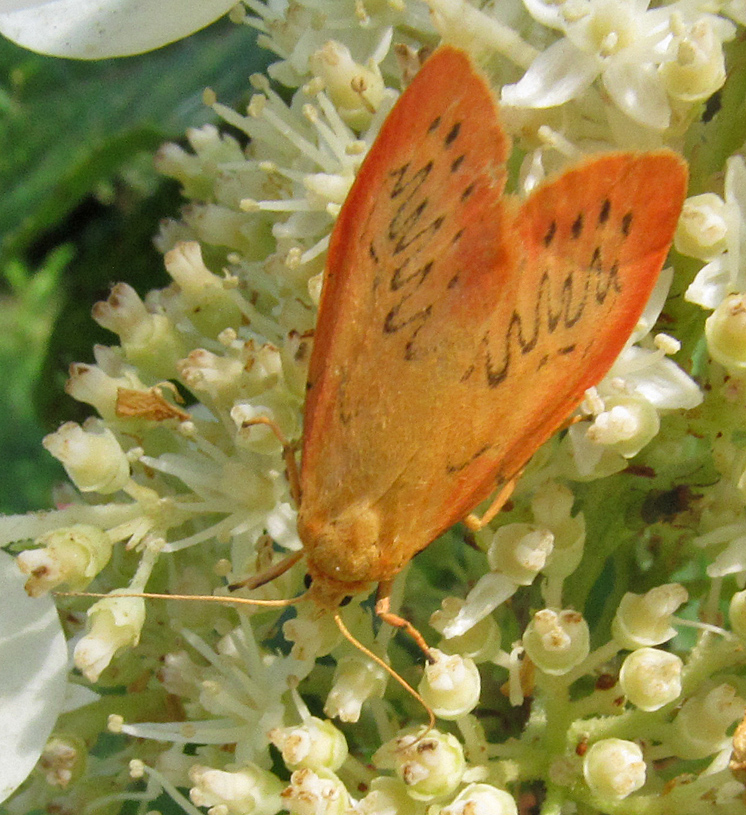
[248, 790]
[557, 641]
[149, 341]
[74, 555]
[626, 425]
[356, 679]
[519, 551]
[99, 387]
[552, 504]
[614, 768]
[63, 760]
[644, 619]
[700, 729]
[431, 766]
[450, 685]
[91, 456]
[388, 796]
[702, 231]
[315, 793]
[725, 330]
[651, 678]
[220, 377]
[481, 799]
[211, 306]
[314, 744]
[356, 91]
[115, 623]
[313, 635]
[699, 68]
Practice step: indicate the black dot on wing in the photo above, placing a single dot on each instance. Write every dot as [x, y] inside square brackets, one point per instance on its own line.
[453, 281]
[603, 216]
[434, 125]
[452, 134]
[626, 224]
[577, 226]
[457, 163]
[467, 192]
[457, 236]
[549, 236]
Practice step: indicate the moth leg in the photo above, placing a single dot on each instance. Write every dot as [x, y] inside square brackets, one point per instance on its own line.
[383, 604]
[288, 453]
[270, 574]
[474, 523]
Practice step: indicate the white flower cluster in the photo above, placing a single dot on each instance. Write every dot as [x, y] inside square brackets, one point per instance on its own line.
[570, 600]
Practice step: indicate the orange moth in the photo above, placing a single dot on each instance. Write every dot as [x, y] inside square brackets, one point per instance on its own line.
[459, 326]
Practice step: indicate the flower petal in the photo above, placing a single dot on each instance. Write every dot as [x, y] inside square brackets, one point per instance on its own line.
[95, 29]
[711, 284]
[546, 13]
[638, 91]
[33, 675]
[662, 383]
[559, 74]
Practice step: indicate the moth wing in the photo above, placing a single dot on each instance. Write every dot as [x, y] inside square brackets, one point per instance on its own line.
[409, 245]
[592, 243]
[458, 327]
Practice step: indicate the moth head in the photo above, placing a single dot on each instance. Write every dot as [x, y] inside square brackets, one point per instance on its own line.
[343, 549]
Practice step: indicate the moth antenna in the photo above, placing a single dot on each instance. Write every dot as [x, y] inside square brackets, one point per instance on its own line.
[389, 670]
[268, 575]
[204, 598]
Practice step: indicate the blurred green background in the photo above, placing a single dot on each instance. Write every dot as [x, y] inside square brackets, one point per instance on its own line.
[80, 205]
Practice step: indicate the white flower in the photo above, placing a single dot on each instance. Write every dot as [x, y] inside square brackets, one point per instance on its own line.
[726, 273]
[481, 799]
[73, 555]
[557, 640]
[356, 679]
[701, 726]
[244, 790]
[314, 744]
[619, 40]
[235, 693]
[317, 792]
[115, 623]
[451, 685]
[645, 619]
[95, 29]
[651, 678]
[614, 768]
[641, 383]
[431, 765]
[91, 456]
[33, 676]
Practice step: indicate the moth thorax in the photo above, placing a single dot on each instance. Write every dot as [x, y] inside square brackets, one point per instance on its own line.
[345, 548]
